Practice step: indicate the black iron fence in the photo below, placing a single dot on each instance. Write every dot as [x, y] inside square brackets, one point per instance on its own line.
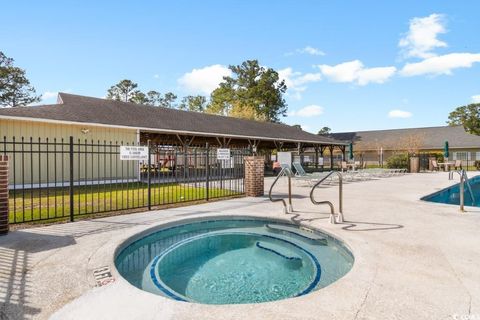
[467, 160]
[60, 179]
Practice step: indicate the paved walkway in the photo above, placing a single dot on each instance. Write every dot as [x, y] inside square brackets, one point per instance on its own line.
[414, 260]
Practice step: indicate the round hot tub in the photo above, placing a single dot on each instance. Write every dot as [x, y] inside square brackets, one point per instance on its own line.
[231, 261]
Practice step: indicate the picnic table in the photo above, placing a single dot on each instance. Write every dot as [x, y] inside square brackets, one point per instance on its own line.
[446, 165]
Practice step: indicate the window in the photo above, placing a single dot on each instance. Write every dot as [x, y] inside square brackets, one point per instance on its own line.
[463, 155]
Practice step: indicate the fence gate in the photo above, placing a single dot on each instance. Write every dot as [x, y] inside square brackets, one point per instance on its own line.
[61, 179]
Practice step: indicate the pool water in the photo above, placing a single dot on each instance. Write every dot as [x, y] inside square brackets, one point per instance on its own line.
[233, 261]
[451, 195]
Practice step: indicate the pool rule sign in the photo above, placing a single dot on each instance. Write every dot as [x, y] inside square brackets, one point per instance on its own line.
[223, 154]
[133, 153]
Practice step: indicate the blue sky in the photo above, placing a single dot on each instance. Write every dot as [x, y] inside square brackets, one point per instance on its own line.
[349, 65]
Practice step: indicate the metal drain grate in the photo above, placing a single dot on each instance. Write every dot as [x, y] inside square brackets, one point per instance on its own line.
[103, 276]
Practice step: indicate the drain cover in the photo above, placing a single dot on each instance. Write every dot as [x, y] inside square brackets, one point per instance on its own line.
[103, 276]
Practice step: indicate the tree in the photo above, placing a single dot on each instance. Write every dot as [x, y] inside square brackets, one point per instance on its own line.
[411, 143]
[15, 88]
[154, 98]
[123, 91]
[466, 116]
[252, 92]
[324, 131]
[168, 100]
[297, 126]
[193, 103]
[126, 91]
[139, 97]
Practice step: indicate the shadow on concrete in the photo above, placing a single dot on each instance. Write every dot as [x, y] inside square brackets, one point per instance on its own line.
[285, 196]
[15, 264]
[296, 217]
[88, 227]
[369, 226]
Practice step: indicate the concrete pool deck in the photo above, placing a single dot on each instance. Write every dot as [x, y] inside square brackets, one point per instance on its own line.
[413, 260]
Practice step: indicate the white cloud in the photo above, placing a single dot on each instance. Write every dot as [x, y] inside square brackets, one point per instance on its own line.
[399, 114]
[49, 95]
[307, 77]
[308, 111]
[204, 80]
[307, 50]
[476, 98]
[343, 72]
[156, 76]
[354, 71]
[375, 75]
[312, 51]
[305, 127]
[296, 81]
[421, 37]
[438, 65]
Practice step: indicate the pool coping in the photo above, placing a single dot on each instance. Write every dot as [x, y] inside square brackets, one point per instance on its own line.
[135, 236]
[402, 267]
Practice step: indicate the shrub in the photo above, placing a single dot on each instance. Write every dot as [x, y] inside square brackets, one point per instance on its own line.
[477, 164]
[439, 157]
[398, 161]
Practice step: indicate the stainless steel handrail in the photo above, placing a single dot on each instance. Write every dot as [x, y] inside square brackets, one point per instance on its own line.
[340, 195]
[284, 172]
[463, 179]
[469, 187]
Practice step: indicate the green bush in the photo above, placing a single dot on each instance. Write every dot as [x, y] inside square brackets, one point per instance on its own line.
[439, 157]
[477, 164]
[398, 161]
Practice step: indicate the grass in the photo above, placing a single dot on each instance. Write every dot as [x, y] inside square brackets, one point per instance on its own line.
[54, 203]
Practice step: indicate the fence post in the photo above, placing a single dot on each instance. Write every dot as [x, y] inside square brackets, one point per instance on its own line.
[207, 172]
[71, 179]
[4, 195]
[149, 177]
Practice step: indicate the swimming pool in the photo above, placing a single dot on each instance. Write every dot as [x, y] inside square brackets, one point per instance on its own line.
[451, 195]
[231, 261]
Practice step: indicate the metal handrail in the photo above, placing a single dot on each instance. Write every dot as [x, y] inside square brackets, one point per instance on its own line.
[463, 178]
[340, 195]
[467, 181]
[284, 172]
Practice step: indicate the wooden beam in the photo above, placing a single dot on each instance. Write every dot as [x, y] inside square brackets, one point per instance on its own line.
[331, 147]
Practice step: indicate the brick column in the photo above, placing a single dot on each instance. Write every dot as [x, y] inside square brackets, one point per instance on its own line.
[3, 194]
[254, 174]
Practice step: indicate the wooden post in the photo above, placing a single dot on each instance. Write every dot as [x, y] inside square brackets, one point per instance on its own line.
[331, 157]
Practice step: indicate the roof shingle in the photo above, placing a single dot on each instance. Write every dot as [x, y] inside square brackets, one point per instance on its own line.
[82, 109]
[431, 137]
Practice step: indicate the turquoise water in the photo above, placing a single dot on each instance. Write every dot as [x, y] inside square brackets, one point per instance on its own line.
[233, 261]
[451, 195]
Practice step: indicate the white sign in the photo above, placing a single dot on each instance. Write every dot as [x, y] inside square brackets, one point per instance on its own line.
[320, 161]
[285, 159]
[223, 154]
[133, 153]
[228, 164]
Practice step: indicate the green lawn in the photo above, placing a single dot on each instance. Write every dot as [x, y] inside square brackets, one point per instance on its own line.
[54, 203]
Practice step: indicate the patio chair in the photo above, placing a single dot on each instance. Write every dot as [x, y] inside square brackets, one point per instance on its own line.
[302, 175]
[435, 166]
[458, 165]
[299, 170]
